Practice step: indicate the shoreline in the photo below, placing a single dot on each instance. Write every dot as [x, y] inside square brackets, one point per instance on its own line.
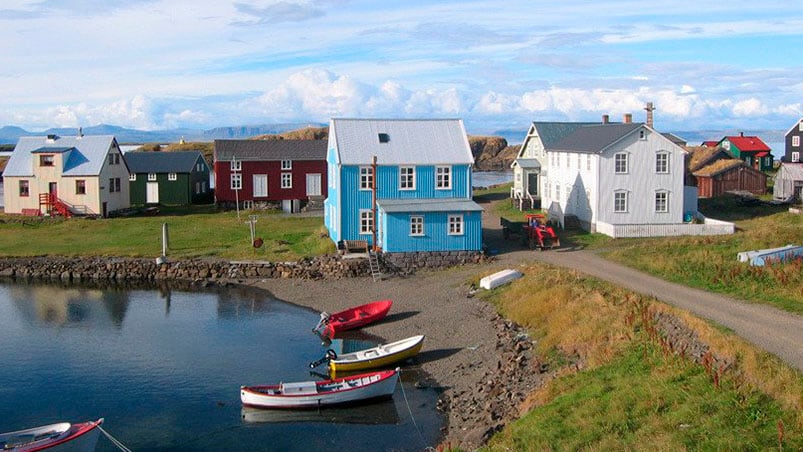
[480, 363]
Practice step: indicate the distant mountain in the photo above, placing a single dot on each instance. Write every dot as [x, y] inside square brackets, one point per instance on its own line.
[11, 134]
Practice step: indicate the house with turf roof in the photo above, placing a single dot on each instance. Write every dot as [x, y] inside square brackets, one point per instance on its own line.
[402, 185]
[714, 171]
[168, 178]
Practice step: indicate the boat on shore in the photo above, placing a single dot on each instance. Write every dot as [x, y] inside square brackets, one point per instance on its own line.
[312, 394]
[375, 357]
[356, 317]
[59, 437]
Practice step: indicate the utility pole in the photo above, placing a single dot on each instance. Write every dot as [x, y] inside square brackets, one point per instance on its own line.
[373, 203]
[234, 172]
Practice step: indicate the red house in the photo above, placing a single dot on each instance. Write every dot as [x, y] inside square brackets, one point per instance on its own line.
[260, 173]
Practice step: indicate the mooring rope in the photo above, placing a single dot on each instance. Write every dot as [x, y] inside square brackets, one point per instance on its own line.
[410, 410]
[114, 440]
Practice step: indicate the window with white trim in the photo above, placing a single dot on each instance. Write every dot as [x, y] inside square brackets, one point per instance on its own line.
[443, 177]
[366, 177]
[796, 140]
[171, 176]
[662, 162]
[416, 225]
[620, 201]
[620, 163]
[795, 156]
[287, 180]
[259, 186]
[24, 188]
[407, 178]
[661, 201]
[236, 181]
[366, 221]
[151, 177]
[557, 193]
[588, 162]
[287, 165]
[132, 177]
[578, 161]
[80, 187]
[236, 165]
[455, 224]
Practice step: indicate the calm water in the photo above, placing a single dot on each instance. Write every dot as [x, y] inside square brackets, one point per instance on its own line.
[489, 178]
[164, 369]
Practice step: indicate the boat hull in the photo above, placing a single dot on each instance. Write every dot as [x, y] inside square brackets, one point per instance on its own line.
[357, 317]
[381, 356]
[61, 437]
[348, 390]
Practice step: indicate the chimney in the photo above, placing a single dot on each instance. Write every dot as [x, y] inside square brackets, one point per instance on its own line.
[628, 118]
[649, 109]
[741, 134]
[605, 119]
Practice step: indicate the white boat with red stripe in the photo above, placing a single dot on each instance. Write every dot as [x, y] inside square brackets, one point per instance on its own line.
[60, 437]
[313, 394]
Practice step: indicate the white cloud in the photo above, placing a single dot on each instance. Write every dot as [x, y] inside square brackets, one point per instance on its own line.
[749, 107]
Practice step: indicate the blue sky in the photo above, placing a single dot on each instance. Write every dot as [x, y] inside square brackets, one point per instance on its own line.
[159, 64]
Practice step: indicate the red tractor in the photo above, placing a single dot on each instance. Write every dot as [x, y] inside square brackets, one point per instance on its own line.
[538, 234]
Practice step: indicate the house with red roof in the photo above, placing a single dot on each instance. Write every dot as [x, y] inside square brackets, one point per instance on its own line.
[750, 149]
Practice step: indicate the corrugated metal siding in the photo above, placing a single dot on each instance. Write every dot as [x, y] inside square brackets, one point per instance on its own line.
[352, 199]
[396, 236]
[388, 183]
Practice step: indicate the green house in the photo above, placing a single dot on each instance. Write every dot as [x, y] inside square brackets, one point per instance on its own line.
[750, 149]
[168, 178]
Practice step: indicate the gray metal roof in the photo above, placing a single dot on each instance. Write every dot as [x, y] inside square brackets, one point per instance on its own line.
[84, 155]
[793, 171]
[428, 205]
[594, 139]
[408, 141]
[270, 150]
[528, 163]
[162, 162]
[552, 132]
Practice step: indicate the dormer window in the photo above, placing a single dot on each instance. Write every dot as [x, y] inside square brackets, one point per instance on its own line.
[384, 138]
[642, 135]
[46, 160]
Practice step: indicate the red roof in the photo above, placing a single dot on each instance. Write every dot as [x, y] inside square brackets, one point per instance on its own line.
[710, 144]
[762, 154]
[747, 143]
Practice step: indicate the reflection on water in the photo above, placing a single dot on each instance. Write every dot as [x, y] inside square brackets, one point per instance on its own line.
[375, 413]
[162, 365]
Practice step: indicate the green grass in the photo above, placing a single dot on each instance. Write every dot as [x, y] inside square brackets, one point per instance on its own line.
[193, 232]
[646, 400]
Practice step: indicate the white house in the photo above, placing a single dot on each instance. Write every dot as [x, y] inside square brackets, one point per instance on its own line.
[618, 179]
[79, 174]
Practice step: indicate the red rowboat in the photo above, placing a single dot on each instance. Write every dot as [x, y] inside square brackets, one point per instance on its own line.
[60, 437]
[312, 394]
[352, 318]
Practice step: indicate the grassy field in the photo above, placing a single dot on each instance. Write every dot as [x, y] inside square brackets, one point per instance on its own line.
[628, 391]
[199, 231]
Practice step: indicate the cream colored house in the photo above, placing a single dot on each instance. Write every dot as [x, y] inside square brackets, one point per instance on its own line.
[77, 175]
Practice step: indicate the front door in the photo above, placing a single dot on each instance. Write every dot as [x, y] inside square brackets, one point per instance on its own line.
[314, 184]
[532, 184]
[53, 189]
[152, 193]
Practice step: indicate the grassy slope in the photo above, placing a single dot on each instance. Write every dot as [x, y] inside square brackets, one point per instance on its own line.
[626, 391]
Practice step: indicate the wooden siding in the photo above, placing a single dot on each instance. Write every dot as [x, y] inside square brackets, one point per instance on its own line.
[396, 236]
[300, 169]
[740, 178]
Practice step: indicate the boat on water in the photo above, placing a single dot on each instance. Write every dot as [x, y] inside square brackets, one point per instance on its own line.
[381, 411]
[314, 394]
[59, 437]
[371, 358]
[356, 317]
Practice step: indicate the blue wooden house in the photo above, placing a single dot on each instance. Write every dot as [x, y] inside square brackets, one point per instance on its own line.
[412, 176]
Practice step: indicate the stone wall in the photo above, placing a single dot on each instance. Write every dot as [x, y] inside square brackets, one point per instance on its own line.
[130, 269]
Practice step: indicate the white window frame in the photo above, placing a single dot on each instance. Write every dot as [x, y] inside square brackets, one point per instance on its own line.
[236, 165]
[578, 160]
[624, 201]
[262, 193]
[416, 226]
[588, 162]
[172, 176]
[406, 178]
[366, 177]
[366, 221]
[287, 165]
[236, 182]
[621, 158]
[661, 201]
[662, 162]
[795, 157]
[443, 177]
[557, 193]
[287, 180]
[455, 225]
[795, 140]
[132, 177]
[151, 177]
